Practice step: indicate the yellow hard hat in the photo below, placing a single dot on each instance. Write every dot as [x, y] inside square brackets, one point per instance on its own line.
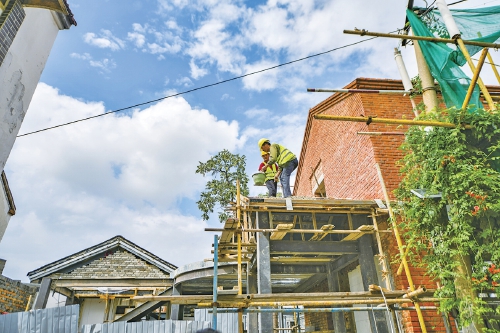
[262, 153]
[262, 141]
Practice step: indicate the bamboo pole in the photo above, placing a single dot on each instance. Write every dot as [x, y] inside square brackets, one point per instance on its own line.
[250, 303]
[388, 121]
[429, 39]
[299, 231]
[492, 63]
[363, 91]
[380, 133]
[475, 77]
[484, 90]
[454, 32]
[324, 296]
[308, 310]
[400, 247]
[28, 304]
[382, 257]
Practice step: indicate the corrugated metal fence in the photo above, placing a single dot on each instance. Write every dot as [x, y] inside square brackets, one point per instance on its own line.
[226, 322]
[62, 319]
[153, 326]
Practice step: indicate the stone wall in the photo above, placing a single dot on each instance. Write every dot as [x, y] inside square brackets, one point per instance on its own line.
[118, 264]
[14, 295]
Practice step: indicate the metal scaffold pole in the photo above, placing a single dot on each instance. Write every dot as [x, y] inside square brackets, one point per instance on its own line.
[238, 236]
[214, 299]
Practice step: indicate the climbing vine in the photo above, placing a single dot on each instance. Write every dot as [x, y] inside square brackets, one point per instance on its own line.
[450, 209]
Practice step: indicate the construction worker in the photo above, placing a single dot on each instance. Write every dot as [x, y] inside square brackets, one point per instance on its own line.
[286, 160]
[272, 174]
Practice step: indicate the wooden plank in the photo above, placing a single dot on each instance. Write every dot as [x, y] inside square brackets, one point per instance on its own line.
[281, 230]
[357, 235]
[228, 235]
[320, 235]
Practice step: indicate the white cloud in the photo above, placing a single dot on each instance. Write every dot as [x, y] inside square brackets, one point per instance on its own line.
[225, 97]
[138, 27]
[168, 5]
[84, 56]
[78, 185]
[184, 81]
[104, 40]
[197, 72]
[213, 44]
[257, 113]
[137, 38]
[105, 64]
[154, 41]
[172, 25]
[155, 48]
[263, 81]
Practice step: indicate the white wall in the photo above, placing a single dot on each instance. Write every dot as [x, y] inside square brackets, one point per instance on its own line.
[360, 317]
[4, 211]
[19, 75]
[92, 311]
[21, 71]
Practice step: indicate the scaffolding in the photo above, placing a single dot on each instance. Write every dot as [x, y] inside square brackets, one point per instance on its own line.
[283, 247]
[267, 232]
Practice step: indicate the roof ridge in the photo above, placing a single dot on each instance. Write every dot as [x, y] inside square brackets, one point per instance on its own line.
[116, 241]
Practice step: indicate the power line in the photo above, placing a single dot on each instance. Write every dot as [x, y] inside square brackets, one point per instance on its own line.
[195, 89]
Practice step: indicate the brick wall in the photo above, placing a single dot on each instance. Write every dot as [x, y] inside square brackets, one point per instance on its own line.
[349, 159]
[321, 322]
[10, 20]
[348, 164]
[14, 295]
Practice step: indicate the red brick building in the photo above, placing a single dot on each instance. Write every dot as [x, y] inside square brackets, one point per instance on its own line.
[336, 162]
[342, 161]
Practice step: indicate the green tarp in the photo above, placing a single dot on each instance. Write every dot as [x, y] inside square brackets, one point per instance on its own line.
[445, 62]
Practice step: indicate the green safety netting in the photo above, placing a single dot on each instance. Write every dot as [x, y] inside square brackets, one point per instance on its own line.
[445, 62]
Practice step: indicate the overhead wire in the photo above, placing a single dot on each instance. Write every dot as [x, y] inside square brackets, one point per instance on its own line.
[195, 89]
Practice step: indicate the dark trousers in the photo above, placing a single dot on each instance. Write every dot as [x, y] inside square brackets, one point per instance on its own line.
[285, 176]
[272, 187]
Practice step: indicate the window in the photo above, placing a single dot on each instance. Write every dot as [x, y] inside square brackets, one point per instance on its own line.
[318, 182]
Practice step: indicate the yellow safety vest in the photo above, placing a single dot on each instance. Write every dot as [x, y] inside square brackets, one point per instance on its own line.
[284, 156]
[271, 172]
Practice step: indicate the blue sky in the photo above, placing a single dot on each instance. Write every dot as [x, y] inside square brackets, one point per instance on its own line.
[132, 173]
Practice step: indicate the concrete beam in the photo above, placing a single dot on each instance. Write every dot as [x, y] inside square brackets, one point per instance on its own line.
[43, 294]
[309, 283]
[297, 269]
[264, 269]
[334, 286]
[177, 310]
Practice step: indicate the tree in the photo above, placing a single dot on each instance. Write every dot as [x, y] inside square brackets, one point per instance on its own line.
[225, 168]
